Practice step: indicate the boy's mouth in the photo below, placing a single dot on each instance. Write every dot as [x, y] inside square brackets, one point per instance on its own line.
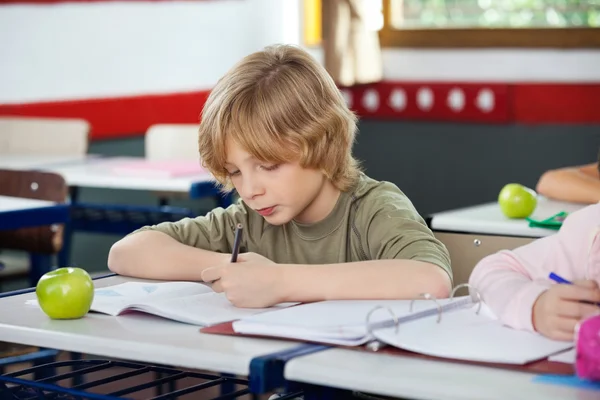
[266, 211]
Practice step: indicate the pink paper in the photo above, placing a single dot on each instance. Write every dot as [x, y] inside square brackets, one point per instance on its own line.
[159, 169]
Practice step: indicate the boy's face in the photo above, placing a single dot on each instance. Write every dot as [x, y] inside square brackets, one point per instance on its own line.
[280, 192]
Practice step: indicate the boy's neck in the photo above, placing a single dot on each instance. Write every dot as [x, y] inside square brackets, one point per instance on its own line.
[321, 206]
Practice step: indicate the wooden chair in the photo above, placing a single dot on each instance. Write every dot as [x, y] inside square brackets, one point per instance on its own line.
[44, 242]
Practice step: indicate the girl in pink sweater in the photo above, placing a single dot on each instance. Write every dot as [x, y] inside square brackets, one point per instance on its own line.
[515, 284]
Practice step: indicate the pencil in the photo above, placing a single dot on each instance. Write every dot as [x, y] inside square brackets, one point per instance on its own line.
[236, 242]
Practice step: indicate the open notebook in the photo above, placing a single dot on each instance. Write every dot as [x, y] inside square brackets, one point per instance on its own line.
[188, 302]
[463, 332]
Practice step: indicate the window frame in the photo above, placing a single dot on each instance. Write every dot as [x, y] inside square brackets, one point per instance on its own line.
[486, 37]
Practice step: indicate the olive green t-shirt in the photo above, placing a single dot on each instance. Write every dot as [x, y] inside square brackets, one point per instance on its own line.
[372, 221]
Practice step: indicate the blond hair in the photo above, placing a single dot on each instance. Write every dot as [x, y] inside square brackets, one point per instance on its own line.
[280, 105]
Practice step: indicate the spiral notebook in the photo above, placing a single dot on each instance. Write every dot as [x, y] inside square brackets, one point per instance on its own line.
[459, 328]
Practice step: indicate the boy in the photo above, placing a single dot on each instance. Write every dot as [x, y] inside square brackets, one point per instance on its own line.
[277, 129]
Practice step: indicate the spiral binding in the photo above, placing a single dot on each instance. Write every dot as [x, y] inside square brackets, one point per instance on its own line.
[471, 288]
[375, 345]
[428, 296]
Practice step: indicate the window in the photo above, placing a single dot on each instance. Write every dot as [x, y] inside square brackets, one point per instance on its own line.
[477, 23]
[457, 14]
[491, 23]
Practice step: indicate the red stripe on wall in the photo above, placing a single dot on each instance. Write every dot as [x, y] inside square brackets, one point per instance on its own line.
[528, 103]
[458, 102]
[557, 103]
[123, 116]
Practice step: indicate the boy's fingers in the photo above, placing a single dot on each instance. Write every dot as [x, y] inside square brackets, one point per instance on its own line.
[217, 287]
[211, 274]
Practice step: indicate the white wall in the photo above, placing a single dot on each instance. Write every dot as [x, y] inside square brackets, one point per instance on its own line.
[110, 49]
[90, 50]
[501, 65]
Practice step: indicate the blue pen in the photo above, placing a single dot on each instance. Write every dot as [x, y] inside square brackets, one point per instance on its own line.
[560, 279]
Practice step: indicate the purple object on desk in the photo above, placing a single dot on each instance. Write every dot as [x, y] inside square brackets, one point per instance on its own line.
[587, 363]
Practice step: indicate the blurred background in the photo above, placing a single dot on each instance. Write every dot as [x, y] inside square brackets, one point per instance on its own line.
[455, 97]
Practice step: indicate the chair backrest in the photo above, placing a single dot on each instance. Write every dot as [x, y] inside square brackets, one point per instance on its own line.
[33, 185]
[48, 136]
[165, 142]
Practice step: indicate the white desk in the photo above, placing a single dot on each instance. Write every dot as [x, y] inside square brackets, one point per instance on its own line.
[141, 338]
[18, 212]
[94, 171]
[488, 219]
[10, 203]
[31, 161]
[99, 173]
[410, 378]
[473, 233]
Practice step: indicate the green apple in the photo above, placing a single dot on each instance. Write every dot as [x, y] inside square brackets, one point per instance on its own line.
[517, 201]
[65, 293]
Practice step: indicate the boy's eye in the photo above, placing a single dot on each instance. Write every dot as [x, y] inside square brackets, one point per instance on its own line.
[270, 167]
[233, 173]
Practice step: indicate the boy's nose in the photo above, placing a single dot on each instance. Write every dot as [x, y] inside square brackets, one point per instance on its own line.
[252, 188]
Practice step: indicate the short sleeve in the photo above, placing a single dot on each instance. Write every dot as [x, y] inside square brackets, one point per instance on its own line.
[395, 230]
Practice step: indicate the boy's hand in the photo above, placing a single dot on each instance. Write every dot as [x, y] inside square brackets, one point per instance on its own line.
[251, 282]
[557, 311]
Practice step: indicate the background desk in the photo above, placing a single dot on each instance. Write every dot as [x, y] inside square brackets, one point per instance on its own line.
[18, 212]
[114, 218]
[472, 233]
[93, 171]
[38, 161]
[412, 378]
[100, 173]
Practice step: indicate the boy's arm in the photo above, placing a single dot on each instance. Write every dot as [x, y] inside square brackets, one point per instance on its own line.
[181, 250]
[574, 184]
[152, 254]
[255, 281]
[374, 279]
